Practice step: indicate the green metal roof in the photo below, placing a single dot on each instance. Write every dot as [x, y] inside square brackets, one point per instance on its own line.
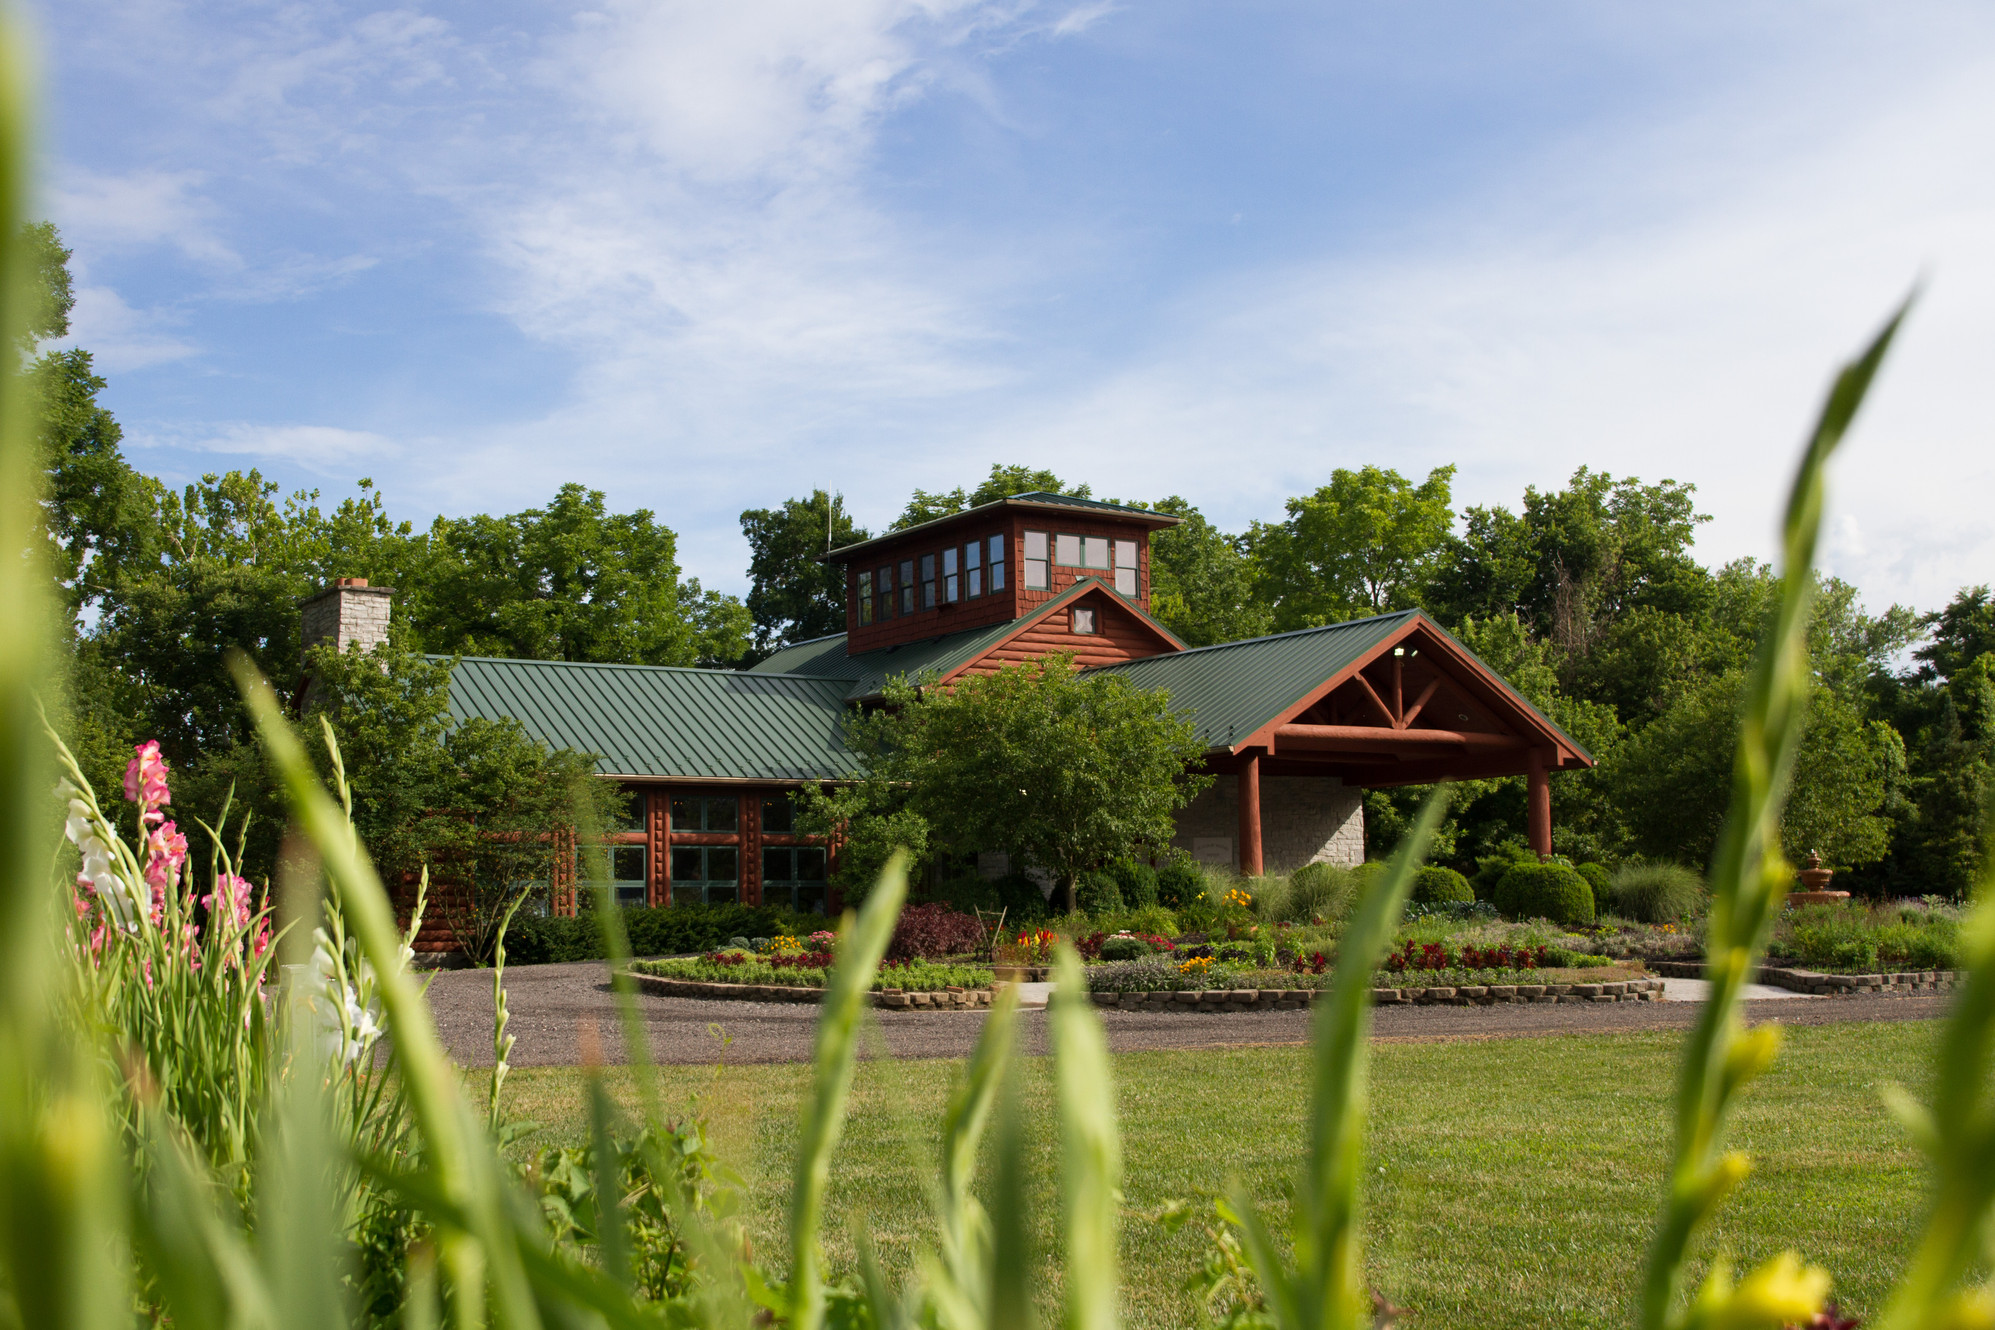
[658, 721]
[821, 657]
[1233, 689]
[1032, 499]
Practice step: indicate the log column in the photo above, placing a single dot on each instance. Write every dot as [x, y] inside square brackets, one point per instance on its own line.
[1539, 821]
[658, 839]
[1250, 815]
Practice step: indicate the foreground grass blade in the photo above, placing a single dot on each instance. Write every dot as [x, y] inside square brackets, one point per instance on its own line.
[1959, 1134]
[459, 1155]
[862, 944]
[62, 1223]
[1748, 875]
[1326, 1289]
[1090, 1149]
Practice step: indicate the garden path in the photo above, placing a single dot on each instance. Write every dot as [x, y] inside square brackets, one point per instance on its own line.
[1697, 990]
[551, 1004]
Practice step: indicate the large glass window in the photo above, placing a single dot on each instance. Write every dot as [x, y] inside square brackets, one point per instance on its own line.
[865, 597]
[632, 817]
[952, 580]
[1125, 567]
[793, 876]
[623, 865]
[779, 817]
[998, 544]
[973, 568]
[928, 581]
[907, 586]
[1094, 552]
[709, 874]
[1036, 578]
[1066, 551]
[706, 812]
[885, 581]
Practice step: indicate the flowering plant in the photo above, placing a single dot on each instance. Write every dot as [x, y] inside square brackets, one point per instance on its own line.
[1414, 955]
[1196, 965]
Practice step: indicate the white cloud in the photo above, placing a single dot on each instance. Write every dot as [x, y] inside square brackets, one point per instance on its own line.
[121, 338]
[321, 448]
[139, 208]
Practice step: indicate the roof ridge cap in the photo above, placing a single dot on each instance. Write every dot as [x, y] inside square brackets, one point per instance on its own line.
[1275, 637]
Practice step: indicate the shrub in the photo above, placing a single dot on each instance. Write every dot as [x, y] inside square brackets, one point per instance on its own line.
[1320, 891]
[934, 930]
[1490, 868]
[1151, 921]
[1435, 885]
[1658, 893]
[1098, 893]
[1545, 891]
[1180, 882]
[1125, 949]
[654, 931]
[1600, 880]
[1138, 882]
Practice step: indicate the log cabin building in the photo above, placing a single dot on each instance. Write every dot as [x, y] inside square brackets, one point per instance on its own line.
[1296, 726]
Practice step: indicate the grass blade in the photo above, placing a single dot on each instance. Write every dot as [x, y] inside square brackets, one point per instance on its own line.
[1326, 1290]
[862, 944]
[1091, 1150]
[1748, 875]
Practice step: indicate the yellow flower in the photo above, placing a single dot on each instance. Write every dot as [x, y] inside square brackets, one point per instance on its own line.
[1782, 1291]
[1196, 965]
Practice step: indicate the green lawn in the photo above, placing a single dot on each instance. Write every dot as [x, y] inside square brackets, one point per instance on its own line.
[1513, 1181]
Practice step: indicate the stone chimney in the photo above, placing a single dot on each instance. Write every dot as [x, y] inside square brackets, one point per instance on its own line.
[347, 613]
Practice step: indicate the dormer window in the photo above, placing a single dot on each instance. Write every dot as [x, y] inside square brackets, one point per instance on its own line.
[865, 597]
[928, 581]
[1081, 551]
[884, 582]
[973, 569]
[907, 586]
[952, 586]
[1084, 621]
[998, 546]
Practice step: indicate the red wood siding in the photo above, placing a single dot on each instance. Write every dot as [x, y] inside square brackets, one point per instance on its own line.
[1121, 637]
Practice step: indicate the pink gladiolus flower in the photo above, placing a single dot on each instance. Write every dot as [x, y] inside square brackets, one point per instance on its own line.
[229, 899]
[145, 780]
[166, 851]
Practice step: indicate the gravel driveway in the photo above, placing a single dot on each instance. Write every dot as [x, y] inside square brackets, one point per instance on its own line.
[551, 1003]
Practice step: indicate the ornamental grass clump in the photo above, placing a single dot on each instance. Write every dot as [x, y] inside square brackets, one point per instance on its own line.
[1657, 893]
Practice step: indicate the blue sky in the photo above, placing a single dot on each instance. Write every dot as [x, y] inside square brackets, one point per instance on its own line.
[708, 256]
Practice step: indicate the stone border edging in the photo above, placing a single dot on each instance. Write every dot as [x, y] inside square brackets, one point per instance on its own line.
[891, 999]
[1468, 995]
[1827, 985]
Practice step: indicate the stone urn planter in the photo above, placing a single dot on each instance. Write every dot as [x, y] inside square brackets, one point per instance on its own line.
[1815, 884]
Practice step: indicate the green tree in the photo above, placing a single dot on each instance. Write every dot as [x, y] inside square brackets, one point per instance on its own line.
[794, 595]
[1201, 584]
[1362, 544]
[1002, 483]
[1058, 769]
[1961, 633]
[1674, 779]
[570, 581]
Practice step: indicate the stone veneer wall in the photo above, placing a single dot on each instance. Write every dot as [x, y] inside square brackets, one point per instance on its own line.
[1304, 820]
[346, 616]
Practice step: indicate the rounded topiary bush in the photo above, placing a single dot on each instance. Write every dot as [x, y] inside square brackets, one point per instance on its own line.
[1658, 893]
[1098, 893]
[1125, 949]
[1180, 882]
[1435, 885]
[1138, 882]
[1601, 881]
[1545, 891]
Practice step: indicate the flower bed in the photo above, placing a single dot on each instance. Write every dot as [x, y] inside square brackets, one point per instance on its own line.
[809, 970]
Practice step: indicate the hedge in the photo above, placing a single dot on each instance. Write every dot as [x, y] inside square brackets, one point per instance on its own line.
[664, 930]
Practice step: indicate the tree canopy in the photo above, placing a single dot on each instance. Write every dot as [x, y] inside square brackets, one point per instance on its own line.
[794, 595]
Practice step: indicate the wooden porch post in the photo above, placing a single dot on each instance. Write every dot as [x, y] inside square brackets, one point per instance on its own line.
[1250, 816]
[1539, 821]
